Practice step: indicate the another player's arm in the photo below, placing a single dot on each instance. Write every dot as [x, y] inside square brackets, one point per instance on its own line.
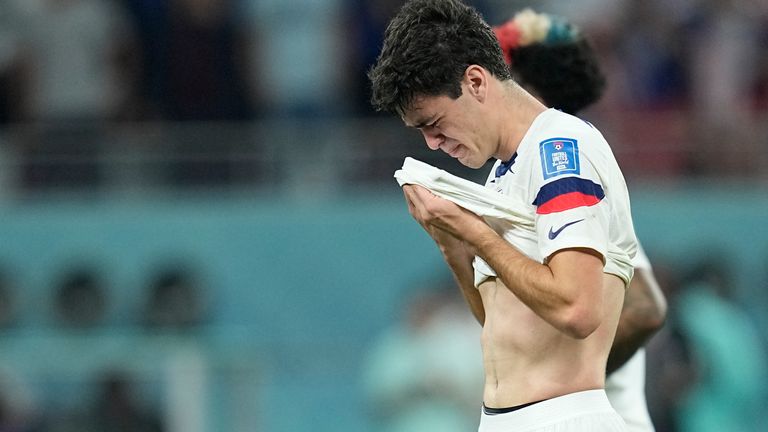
[644, 312]
[566, 291]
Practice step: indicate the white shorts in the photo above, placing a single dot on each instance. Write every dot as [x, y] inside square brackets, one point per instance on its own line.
[576, 412]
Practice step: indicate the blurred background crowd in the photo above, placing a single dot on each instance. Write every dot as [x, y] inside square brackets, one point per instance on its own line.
[200, 230]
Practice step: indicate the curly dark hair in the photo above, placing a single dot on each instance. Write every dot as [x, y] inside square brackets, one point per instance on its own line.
[566, 75]
[427, 47]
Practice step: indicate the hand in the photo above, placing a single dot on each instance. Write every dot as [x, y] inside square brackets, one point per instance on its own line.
[439, 216]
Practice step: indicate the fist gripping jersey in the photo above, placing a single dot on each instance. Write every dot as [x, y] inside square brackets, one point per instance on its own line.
[565, 180]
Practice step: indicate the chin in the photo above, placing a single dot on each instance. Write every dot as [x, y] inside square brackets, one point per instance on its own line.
[471, 163]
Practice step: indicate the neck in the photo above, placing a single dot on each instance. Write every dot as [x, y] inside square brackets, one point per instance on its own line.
[519, 110]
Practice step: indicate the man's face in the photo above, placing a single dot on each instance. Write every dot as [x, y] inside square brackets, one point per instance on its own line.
[452, 125]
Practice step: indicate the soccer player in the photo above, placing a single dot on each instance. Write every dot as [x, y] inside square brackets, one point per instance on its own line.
[551, 59]
[549, 288]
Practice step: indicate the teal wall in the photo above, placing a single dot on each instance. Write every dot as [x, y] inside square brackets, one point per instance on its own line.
[303, 287]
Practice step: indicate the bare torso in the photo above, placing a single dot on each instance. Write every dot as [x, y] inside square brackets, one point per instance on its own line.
[526, 359]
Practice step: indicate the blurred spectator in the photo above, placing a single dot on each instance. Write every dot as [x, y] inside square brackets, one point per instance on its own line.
[82, 59]
[671, 369]
[80, 298]
[80, 64]
[724, 58]
[299, 55]
[149, 19]
[760, 90]
[732, 362]
[366, 20]
[197, 67]
[175, 300]
[425, 373]
[724, 71]
[117, 408]
[16, 405]
[652, 52]
[12, 64]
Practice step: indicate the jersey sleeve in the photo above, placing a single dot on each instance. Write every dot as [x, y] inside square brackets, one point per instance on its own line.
[571, 209]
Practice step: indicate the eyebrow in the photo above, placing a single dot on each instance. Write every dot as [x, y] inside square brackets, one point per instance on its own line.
[424, 122]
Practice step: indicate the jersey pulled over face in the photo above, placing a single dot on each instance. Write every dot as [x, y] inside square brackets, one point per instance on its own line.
[565, 177]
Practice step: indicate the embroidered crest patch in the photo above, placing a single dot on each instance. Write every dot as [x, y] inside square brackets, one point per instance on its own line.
[559, 156]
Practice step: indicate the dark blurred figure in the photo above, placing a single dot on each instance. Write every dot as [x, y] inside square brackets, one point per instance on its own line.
[671, 369]
[116, 407]
[81, 299]
[196, 57]
[653, 52]
[760, 87]
[366, 20]
[7, 300]
[12, 62]
[117, 410]
[175, 300]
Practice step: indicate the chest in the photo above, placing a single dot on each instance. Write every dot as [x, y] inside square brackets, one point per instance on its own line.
[514, 183]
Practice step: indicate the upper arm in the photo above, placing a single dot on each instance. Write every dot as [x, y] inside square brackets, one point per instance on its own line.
[569, 197]
[645, 303]
[578, 276]
[579, 271]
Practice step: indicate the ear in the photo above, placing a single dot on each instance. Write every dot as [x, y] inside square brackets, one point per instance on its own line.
[476, 82]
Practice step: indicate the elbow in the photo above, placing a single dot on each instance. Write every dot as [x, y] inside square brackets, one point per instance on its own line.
[654, 318]
[651, 318]
[660, 313]
[656, 321]
[579, 322]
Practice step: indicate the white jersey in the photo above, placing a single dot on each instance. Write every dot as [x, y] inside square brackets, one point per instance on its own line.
[566, 182]
[626, 386]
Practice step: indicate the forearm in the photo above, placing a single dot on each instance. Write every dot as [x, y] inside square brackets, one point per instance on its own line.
[566, 292]
[644, 312]
[625, 344]
[459, 260]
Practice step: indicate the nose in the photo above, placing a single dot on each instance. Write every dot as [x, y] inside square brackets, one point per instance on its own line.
[433, 140]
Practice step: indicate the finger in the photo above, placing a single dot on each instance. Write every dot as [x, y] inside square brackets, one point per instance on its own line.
[411, 207]
[421, 192]
[416, 203]
[412, 194]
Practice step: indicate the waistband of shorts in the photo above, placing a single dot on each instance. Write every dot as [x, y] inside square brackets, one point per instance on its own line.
[552, 410]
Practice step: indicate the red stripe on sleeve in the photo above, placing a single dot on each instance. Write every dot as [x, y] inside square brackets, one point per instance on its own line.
[567, 201]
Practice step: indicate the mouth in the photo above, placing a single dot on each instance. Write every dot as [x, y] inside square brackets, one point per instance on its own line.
[456, 152]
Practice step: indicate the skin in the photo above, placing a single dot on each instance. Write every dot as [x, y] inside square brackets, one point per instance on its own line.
[547, 327]
[643, 314]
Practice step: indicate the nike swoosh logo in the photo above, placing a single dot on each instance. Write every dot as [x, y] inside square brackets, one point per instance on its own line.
[553, 234]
